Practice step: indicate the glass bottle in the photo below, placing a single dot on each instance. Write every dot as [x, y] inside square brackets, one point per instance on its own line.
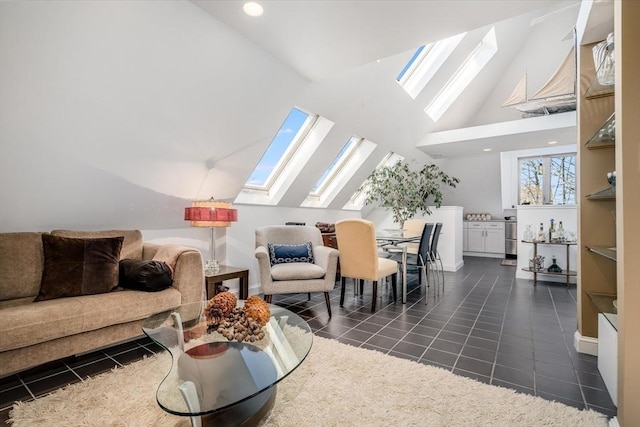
[552, 231]
[561, 235]
[528, 233]
[541, 235]
[554, 267]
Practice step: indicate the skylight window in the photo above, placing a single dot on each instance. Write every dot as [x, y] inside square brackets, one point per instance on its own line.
[463, 76]
[339, 172]
[291, 148]
[341, 159]
[424, 64]
[356, 202]
[283, 145]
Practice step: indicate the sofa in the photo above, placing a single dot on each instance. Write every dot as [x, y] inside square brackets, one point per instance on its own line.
[32, 333]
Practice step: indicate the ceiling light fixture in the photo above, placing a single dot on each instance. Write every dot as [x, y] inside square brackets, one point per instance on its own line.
[252, 8]
[487, 149]
[552, 142]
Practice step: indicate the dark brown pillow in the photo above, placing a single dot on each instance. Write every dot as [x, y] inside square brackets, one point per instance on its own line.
[74, 267]
[145, 275]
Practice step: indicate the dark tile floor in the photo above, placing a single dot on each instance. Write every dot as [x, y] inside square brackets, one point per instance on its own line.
[484, 325]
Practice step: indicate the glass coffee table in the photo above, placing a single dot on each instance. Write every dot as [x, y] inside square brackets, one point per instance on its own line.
[217, 381]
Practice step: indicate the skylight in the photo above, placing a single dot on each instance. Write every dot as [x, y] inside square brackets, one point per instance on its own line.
[356, 202]
[463, 76]
[290, 150]
[339, 172]
[337, 164]
[424, 64]
[282, 146]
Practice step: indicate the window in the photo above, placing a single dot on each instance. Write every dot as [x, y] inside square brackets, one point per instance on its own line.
[338, 163]
[548, 180]
[287, 140]
[424, 64]
[463, 76]
[290, 150]
[356, 202]
[339, 172]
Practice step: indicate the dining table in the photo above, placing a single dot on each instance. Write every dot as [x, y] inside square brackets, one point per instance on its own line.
[395, 241]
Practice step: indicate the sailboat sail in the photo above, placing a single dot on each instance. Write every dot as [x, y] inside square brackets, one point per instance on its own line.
[519, 94]
[557, 95]
[563, 81]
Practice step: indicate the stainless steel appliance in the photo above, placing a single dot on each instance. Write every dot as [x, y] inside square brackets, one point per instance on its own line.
[511, 239]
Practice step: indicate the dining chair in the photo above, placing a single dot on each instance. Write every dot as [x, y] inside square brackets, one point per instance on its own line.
[359, 258]
[413, 228]
[422, 259]
[434, 255]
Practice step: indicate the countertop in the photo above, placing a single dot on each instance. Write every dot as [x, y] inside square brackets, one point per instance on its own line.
[490, 220]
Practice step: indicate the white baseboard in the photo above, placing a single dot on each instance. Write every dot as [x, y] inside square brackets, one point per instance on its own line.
[484, 254]
[585, 345]
[613, 422]
[453, 267]
[255, 289]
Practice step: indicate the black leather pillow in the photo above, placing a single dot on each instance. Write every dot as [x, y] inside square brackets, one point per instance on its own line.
[74, 267]
[145, 275]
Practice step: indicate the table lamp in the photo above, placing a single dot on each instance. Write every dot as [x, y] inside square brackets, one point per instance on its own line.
[213, 214]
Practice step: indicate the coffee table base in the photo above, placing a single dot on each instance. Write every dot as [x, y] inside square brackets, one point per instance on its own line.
[246, 414]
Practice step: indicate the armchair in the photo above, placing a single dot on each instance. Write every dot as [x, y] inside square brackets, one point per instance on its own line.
[295, 277]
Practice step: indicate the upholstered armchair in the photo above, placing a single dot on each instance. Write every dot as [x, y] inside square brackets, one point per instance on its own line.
[287, 265]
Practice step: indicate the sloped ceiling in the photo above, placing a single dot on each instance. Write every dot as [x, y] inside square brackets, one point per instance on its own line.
[319, 39]
[155, 103]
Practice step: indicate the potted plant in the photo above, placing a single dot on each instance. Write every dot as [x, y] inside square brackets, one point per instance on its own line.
[405, 191]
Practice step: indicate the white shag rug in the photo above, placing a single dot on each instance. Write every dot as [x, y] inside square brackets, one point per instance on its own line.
[337, 385]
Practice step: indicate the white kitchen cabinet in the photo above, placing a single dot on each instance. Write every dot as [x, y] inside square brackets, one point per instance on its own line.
[465, 236]
[484, 237]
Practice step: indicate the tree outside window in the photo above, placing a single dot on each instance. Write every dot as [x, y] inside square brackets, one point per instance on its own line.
[548, 180]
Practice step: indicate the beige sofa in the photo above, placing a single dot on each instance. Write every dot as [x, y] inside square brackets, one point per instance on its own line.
[32, 333]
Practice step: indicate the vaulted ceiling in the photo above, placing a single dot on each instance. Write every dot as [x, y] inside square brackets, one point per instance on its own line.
[352, 50]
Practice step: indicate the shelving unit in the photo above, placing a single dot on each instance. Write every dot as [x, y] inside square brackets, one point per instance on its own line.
[607, 252]
[567, 273]
[597, 89]
[604, 303]
[596, 156]
[604, 194]
[605, 136]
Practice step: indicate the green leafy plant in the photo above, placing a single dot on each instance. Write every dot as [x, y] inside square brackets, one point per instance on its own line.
[405, 191]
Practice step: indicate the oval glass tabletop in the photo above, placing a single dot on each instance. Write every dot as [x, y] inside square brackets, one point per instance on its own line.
[210, 373]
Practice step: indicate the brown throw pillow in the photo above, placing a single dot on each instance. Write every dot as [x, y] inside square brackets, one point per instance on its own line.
[74, 267]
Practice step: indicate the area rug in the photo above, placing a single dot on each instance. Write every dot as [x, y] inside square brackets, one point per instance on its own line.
[509, 262]
[337, 385]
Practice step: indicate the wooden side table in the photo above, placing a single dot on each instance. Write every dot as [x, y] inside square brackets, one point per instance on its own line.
[226, 272]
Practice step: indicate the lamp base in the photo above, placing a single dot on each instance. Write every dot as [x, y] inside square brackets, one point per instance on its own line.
[211, 266]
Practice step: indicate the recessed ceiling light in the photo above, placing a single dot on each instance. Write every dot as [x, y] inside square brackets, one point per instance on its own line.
[552, 142]
[252, 8]
[487, 149]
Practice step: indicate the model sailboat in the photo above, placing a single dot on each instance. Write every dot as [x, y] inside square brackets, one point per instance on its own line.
[557, 95]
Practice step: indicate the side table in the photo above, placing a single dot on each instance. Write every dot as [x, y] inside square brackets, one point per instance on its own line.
[226, 272]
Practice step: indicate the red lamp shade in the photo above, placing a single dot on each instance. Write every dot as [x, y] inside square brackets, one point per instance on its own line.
[210, 213]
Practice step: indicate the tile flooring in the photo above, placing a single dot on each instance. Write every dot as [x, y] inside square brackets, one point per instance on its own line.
[485, 325]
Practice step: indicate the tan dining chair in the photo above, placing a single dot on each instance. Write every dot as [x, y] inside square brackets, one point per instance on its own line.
[413, 228]
[359, 257]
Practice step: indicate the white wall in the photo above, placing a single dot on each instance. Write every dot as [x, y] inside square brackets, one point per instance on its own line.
[235, 245]
[479, 190]
[112, 112]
